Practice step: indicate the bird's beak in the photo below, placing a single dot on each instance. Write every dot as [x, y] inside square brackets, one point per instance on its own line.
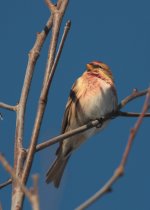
[89, 67]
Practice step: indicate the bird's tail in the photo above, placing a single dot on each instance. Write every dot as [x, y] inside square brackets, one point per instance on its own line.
[54, 174]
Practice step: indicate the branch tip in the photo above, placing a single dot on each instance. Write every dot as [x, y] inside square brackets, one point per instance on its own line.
[135, 90]
[6, 183]
[68, 24]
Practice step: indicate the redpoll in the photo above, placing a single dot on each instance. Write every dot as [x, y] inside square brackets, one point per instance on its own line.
[92, 96]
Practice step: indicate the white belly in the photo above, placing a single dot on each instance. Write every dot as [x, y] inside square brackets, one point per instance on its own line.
[99, 101]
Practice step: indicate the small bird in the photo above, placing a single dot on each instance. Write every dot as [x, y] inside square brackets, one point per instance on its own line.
[92, 96]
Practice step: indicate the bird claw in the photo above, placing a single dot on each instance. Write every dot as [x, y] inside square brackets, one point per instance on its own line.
[100, 122]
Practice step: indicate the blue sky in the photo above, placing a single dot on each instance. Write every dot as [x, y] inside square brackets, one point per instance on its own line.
[115, 32]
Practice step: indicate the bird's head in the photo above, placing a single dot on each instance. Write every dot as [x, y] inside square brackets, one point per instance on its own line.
[98, 67]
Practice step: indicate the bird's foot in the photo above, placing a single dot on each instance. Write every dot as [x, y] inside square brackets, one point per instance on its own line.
[100, 122]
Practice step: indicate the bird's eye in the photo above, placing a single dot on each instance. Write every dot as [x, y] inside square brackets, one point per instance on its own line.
[97, 66]
[100, 67]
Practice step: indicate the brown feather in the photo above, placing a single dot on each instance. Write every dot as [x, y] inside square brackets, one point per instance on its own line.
[55, 172]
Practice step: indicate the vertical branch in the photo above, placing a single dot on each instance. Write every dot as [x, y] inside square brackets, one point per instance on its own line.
[35, 195]
[21, 107]
[57, 15]
[57, 18]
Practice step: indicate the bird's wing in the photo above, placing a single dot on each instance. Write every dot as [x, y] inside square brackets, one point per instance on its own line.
[67, 115]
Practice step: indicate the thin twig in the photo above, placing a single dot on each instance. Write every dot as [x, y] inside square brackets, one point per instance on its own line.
[132, 114]
[6, 183]
[8, 107]
[120, 170]
[135, 129]
[66, 135]
[64, 36]
[135, 94]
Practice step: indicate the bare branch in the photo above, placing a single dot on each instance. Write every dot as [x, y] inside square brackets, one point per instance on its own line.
[120, 170]
[51, 6]
[81, 129]
[17, 197]
[132, 114]
[10, 170]
[7, 106]
[67, 134]
[66, 29]
[35, 194]
[32, 196]
[64, 36]
[134, 130]
[95, 123]
[34, 191]
[135, 94]
[57, 18]
[4, 184]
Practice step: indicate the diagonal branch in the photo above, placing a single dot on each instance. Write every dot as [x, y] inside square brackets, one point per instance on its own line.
[32, 196]
[81, 129]
[135, 129]
[6, 183]
[11, 171]
[120, 170]
[135, 94]
[64, 36]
